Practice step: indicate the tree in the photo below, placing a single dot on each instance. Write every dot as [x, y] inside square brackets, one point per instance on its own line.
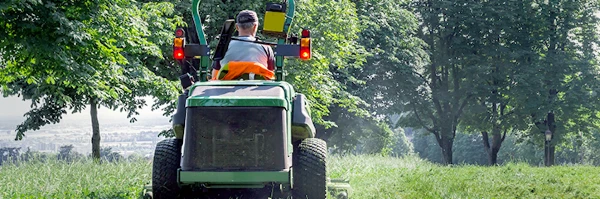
[389, 37]
[66, 153]
[9, 154]
[390, 49]
[401, 144]
[492, 59]
[495, 38]
[518, 59]
[108, 155]
[425, 145]
[31, 156]
[562, 78]
[437, 91]
[68, 55]
[356, 134]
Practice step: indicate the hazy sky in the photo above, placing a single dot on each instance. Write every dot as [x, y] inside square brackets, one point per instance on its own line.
[16, 107]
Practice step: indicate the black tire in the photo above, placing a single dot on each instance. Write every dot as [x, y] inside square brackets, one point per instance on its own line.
[309, 169]
[167, 156]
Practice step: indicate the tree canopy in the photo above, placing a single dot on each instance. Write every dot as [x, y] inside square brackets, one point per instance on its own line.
[64, 56]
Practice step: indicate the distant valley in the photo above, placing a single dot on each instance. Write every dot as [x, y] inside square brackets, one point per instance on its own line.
[116, 132]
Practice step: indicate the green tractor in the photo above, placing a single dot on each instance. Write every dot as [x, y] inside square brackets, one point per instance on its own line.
[245, 137]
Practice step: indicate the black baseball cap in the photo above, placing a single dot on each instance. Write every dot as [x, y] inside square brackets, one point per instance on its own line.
[247, 16]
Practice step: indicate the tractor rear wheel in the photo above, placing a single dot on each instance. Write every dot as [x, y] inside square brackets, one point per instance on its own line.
[164, 169]
[309, 169]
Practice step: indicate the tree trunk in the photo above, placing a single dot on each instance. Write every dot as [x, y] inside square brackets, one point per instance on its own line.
[549, 154]
[488, 149]
[95, 130]
[493, 157]
[446, 145]
[493, 148]
[552, 149]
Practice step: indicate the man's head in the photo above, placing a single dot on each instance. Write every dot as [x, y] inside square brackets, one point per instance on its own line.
[247, 23]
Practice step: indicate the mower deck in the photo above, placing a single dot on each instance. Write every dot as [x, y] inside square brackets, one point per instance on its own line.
[338, 188]
[224, 178]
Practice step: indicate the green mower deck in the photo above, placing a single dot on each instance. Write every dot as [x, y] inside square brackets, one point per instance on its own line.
[338, 189]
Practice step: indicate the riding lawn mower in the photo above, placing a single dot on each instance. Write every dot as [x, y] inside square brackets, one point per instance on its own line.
[246, 136]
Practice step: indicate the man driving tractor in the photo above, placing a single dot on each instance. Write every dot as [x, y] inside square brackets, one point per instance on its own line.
[253, 138]
[244, 56]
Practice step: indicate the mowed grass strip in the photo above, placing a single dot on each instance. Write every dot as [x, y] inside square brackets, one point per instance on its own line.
[370, 177]
[410, 177]
[82, 179]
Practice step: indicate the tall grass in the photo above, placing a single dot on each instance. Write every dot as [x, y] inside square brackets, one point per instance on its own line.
[81, 179]
[369, 176]
[410, 177]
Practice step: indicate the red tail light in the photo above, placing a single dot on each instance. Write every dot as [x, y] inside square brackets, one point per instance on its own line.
[304, 54]
[178, 53]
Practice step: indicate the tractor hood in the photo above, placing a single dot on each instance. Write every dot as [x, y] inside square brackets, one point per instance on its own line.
[241, 94]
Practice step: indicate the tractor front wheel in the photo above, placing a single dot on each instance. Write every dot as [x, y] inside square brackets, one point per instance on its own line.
[164, 169]
[309, 169]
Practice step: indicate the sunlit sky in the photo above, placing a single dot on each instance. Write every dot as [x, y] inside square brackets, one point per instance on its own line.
[14, 107]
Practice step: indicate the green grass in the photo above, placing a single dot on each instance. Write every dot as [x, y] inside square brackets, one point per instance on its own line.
[82, 179]
[378, 177]
[370, 177]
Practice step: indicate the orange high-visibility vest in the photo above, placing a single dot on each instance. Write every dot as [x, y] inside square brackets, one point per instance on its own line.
[236, 68]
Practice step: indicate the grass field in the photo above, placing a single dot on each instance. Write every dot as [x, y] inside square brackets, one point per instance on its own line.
[378, 177]
[370, 177]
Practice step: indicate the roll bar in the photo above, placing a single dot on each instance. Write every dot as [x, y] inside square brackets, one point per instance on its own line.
[204, 51]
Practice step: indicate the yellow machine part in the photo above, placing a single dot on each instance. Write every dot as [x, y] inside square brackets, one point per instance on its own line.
[273, 22]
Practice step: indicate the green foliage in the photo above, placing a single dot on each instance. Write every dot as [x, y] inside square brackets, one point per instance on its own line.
[536, 59]
[436, 90]
[503, 66]
[576, 150]
[425, 145]
[106, 154]
[66, 153]
[334, 28]
[494, 33]
[580, 149]
[354, 134]
[401, 145]
[60, 55]
[389, 36]
[562, 77]
[9, 154]
[390, 48]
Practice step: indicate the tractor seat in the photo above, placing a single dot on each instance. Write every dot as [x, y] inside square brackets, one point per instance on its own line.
[240, 70]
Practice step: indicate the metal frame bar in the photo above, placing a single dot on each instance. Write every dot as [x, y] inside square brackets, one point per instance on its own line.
[287, 50]
[291, 8]
[204, 59]
[193, 50]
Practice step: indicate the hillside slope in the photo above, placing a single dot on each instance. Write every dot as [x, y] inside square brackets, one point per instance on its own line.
[370, 177]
